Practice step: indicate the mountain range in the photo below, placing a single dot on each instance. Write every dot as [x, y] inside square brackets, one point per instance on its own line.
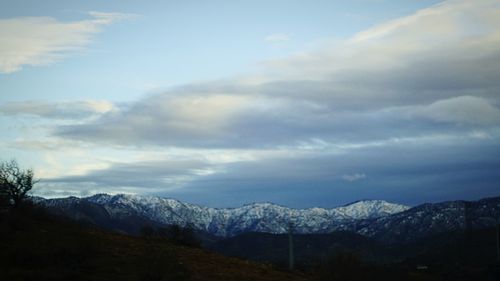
[377, 219]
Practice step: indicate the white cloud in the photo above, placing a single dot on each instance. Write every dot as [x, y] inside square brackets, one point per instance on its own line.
[445, 35]
[277, 38]
[38, 41]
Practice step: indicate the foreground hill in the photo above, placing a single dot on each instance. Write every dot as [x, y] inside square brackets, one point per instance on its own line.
[34, 246]
[472, 249]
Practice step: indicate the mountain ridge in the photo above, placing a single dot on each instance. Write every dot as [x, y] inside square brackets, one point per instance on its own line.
[226, 222]
[378, 219]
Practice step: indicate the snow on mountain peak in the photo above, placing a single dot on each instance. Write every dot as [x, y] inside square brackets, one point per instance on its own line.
[367, 209]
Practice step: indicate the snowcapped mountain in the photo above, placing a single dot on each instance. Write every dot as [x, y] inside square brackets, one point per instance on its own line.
[257, 217]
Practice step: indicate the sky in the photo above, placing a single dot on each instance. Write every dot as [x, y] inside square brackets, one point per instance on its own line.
[224, 103]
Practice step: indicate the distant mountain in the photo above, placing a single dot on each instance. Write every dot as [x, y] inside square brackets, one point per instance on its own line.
[386, 222]
[108, 210]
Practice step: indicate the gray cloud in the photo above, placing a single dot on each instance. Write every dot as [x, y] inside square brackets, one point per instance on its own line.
[407, 173]
[144, 177]
[463, 109]
[403, 171]
[146, 174]
[60, 110]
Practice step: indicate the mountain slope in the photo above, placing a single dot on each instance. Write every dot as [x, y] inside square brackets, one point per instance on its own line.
[258, 217]
[430, 219]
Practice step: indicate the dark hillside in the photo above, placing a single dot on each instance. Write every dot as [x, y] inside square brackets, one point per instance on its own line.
[36, 246]
[309, 248]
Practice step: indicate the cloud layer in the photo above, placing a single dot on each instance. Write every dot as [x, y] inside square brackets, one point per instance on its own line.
[407, 110]
[368, 87]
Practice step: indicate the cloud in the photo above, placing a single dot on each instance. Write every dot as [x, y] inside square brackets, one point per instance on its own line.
[136, 177]
[277, 38]
[36, 41]
[41, 145]
[462, 110]
[362, 88]
[60, 110]
[353, 177]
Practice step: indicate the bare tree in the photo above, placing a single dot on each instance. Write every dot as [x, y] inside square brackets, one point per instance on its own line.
[15, 183]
